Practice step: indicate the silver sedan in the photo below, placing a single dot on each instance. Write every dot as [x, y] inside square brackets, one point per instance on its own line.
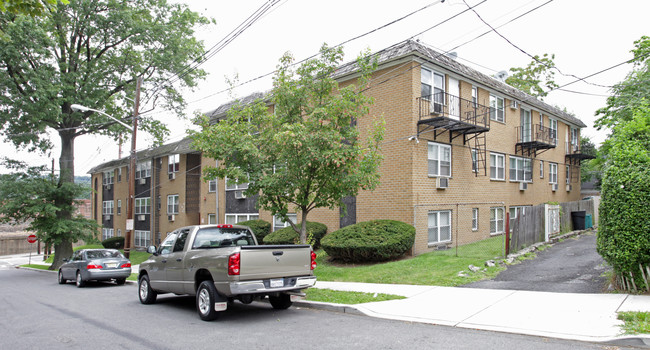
[95, 265]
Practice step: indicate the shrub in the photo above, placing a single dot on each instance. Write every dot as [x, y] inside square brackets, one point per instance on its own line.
[370, 241]
[260, 228]
[315, 230]
[113, 243]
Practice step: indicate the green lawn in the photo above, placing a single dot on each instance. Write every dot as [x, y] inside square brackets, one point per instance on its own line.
[348, 298]
[438, 268]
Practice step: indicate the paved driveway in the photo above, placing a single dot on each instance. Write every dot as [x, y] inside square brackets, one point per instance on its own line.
[571, 266]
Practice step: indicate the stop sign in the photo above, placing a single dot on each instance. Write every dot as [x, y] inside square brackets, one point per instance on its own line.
[31, 238]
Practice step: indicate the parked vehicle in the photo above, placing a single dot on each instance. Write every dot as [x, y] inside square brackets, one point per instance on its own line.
[95, 265]
[221, 263]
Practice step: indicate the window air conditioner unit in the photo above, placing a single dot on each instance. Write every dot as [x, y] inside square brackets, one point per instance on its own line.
[514, 104]
[141, 217]
[240, 194]
[172, 176]
[108, 187]
[569, 188]
[442, 182]
[107, 217]
[553, 187]
[523, 186]
[171, 217]
[142, 181]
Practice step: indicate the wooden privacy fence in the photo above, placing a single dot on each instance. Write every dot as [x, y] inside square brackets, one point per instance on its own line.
[536, 224]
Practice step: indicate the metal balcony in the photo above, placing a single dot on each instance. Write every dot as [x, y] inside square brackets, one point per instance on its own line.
[444, 112]
[532, 138]
[574, 154]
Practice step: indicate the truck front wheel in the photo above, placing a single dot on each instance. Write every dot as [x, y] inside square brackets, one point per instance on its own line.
[206, 296]
[146, 294]
[281, 301]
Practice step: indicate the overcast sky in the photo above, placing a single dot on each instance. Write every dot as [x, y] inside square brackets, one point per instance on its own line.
[586, 36]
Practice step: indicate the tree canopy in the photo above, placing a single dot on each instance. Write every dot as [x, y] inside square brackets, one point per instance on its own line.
[536, 76]
[300, 148]
[91, 52]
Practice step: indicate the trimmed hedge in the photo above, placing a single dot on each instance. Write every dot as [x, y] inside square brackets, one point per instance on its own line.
[370, 241]
[260, 228]
[288, 236]
[113, 243]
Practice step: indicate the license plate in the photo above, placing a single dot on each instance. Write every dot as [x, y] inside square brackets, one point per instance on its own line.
[111, 265]
[277, 283]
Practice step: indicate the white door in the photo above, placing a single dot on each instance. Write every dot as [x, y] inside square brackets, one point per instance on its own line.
[454, 100]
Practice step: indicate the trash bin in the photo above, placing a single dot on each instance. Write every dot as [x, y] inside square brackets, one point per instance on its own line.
[589, 223]
[578, 219]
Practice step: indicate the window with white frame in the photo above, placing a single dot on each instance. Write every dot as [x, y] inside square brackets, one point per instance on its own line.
[119, 233]
[107, 208]
[142, 238]
[119, 174]
[212, 219]
[109, 177]
[541, 120]
[497, 220]
[439, 226]
[233, 219]
[552, 124]
[432, 83]
[119, 207]
[173, 163]
[232, 185]
[497, 110]
[541, 169]
[143, 170]
[107, 233]
[212, 186]
[172, 204]
[142, 206]
[474, 219]
[474, 96]
[575, 140]
[568, 174]
[474, 161]
[552, 173]
[526, 125]
[439, 157]
[497, 166]
[278, 223]
[521, 169]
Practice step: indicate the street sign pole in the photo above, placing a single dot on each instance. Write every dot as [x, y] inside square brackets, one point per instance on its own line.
[31, 239]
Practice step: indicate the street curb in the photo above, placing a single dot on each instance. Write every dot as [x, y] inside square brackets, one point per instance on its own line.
[317, 305]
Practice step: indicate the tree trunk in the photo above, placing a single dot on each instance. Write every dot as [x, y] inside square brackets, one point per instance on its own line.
[303, 228]
[63, 248]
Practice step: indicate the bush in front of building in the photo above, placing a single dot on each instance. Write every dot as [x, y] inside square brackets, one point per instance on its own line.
[259, 227]
[370, 241]
[315, 232]
[113, 243]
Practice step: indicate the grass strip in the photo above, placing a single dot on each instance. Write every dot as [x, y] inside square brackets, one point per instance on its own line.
[635, 322]
[347, 298]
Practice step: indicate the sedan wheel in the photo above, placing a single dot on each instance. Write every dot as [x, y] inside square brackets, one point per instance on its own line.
[80, 281]
[61, 279]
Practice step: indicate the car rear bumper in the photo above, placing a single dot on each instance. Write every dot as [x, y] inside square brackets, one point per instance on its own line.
[264, 286]
[107, 274]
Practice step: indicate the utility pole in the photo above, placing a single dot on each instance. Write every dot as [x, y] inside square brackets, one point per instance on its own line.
[130, 222]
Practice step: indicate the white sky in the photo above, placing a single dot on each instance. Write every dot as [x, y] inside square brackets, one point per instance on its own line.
[586, 36]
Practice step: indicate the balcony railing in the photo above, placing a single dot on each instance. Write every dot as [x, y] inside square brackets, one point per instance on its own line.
[536, 136]
[442, 104]
[571, 148]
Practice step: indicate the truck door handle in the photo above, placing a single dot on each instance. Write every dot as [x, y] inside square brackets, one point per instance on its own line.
[164, 261]
[278, 253]
[179, 259]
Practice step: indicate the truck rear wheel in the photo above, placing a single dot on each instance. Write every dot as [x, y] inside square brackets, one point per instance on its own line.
[281, 301]
[206, 296]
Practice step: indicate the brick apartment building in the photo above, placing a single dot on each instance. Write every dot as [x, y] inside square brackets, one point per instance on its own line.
[461, 150]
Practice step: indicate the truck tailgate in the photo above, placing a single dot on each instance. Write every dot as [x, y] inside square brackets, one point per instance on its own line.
[273, 261]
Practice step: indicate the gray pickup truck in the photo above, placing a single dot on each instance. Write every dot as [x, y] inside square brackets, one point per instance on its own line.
[222, 263]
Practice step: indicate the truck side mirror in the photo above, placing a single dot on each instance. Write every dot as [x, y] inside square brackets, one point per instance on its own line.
[151, 250]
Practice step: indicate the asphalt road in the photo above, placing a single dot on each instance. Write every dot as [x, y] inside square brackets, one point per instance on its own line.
[37, 313]
[570, 266]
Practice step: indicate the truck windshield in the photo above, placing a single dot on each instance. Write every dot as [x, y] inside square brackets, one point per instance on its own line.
[215, 237]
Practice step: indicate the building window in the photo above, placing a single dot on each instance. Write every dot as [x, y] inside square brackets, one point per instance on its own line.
[541, 121]
[172, 204]
[541, 169]
[474, 161]
[278, 223]
[173, 163]
[521, 169]
[552, 124]
[109, 177]
[497, 166]
[474, 96]
[497, 111]
[212, 186]
[497, 220]
[142, 206]
[212, 219]
[119, 207]
[107, 233]
[575, 140]
[233, 185]
[142, 238]
[439, 226]
[474, 219]
[552, 173]
[119, 232]
[233, 219]
[107, 208]
[526, 125]
[568, 174]
[439, 159]
[143, 170]
[119, 174]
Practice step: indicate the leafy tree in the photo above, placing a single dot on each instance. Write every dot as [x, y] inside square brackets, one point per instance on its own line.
[589, 168]
[32, 8]
[306, 152]
[629, 95]
[533, 78]
[91, 52]
[47, 204]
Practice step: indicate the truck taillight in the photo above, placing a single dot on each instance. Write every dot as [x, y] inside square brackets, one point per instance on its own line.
[234, 264]
[313, 260]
